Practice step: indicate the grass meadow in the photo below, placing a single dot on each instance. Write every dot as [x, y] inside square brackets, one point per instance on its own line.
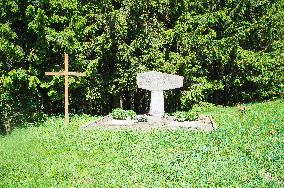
[246, 150]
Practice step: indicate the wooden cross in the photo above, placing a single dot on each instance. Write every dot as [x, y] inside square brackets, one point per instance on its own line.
[66, 74]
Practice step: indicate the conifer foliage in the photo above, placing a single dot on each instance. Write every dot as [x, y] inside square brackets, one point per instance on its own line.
[227, 50]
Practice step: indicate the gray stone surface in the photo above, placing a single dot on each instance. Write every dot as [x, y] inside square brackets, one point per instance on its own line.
[157, 82]
[205, 123]
[116, 122]
[157, 104]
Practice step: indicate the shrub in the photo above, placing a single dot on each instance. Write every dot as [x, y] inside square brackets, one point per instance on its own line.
[119, 113]
[19, 85]
[204, 106]
[186, 116]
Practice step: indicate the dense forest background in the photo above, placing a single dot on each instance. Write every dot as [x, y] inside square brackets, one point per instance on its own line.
[227, 50]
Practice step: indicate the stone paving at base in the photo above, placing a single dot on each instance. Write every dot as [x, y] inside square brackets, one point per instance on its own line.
[205, 123]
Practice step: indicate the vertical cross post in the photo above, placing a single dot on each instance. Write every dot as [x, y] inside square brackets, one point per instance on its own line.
[66, 90]
[66, 73]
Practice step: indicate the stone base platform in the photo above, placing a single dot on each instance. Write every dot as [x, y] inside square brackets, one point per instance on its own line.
[205, 123]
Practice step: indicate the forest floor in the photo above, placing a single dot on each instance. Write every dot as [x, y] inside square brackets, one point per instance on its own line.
[246, 150]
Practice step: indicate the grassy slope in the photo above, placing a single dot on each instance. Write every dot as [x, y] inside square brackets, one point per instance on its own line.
[246, 150]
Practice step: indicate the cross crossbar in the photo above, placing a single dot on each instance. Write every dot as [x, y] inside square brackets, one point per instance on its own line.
[65, 73]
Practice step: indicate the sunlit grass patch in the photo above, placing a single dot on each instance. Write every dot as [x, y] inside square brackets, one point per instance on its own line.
[246, 150]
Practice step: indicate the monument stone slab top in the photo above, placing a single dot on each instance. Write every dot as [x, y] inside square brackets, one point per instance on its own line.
[158, 81]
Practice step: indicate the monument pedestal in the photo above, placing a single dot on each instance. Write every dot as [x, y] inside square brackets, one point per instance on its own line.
[157, 104]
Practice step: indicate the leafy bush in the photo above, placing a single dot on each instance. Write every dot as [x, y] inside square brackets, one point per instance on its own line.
[186, 116]
[119, 113]
[204, 106]
[18, 84]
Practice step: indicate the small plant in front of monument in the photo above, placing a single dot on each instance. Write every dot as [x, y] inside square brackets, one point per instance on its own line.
[121, 114]
[186, 116]
[142, 118]
[180, 116]
[204, 106]
[131, 114]
[166, 115]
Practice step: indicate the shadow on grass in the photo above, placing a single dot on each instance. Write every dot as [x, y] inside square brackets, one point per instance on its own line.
[7, 126]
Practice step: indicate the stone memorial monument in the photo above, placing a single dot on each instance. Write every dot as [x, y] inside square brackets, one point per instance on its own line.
[157, 82]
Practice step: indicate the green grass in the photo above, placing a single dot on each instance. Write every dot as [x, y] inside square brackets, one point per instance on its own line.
[247, 150]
